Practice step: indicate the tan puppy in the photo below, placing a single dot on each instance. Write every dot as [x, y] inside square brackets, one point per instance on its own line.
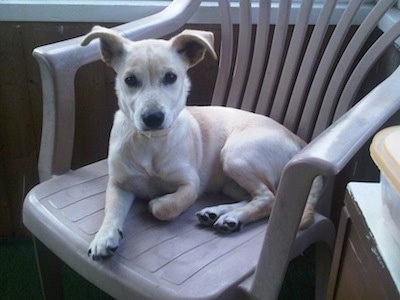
[167, 152]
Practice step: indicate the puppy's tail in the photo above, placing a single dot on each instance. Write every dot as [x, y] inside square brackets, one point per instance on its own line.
[315, 193]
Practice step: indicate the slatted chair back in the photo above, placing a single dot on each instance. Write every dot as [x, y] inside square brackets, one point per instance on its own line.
[296, 68]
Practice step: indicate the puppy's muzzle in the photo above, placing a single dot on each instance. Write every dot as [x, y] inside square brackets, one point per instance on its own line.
[153, 119]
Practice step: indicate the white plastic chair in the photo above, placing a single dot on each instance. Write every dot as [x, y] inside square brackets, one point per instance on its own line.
[307, 84]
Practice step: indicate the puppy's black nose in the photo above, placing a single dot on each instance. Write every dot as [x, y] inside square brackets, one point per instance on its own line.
[153, 119]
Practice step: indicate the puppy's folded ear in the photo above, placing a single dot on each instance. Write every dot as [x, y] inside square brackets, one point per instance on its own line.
[192, 45]
[111, 44]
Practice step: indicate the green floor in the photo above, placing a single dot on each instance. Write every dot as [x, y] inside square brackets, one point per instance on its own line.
[19, 278]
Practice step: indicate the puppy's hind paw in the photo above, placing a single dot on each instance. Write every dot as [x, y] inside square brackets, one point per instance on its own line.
[227, 225]
[206, 218]
[216, 215]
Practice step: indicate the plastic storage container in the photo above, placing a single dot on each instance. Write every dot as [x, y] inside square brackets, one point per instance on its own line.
[385, 151]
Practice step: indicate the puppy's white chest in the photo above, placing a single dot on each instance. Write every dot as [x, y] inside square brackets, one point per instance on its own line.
[150, 187]
[145, 179]
[149, 170]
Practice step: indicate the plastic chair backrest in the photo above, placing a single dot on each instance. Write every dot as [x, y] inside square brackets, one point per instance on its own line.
[298, 71]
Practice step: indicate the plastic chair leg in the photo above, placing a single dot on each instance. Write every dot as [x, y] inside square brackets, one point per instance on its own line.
[49, 266]
[322, 269]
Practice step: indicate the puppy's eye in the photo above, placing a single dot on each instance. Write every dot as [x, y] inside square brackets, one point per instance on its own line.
[169, 78]
[132, 81]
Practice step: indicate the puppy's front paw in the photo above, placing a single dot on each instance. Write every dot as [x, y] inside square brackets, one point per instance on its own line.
[164, 208]
[105, 243]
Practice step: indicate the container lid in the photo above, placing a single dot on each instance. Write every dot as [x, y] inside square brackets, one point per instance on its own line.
[385, 151]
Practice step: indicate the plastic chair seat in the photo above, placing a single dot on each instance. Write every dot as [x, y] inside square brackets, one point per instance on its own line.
[181, 257]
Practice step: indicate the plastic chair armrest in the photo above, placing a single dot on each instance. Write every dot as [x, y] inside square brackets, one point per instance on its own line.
[326, 155]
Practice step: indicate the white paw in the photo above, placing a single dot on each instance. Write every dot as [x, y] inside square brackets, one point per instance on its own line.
[224, 217]
[105, 243]
[164, 208]
[228, 223]
[208, 216]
